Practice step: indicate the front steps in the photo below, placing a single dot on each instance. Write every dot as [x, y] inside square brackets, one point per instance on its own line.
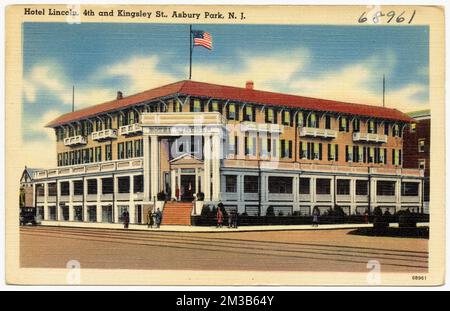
[177, 213]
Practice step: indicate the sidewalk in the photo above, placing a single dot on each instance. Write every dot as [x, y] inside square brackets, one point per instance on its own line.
[169, 228]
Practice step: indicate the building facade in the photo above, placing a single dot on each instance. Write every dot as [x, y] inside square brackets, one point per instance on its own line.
[417, 149]
[206, 143]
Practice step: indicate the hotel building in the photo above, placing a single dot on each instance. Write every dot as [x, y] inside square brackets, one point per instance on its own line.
[202, 143]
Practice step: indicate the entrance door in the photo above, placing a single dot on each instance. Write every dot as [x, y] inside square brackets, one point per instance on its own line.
[187, 187]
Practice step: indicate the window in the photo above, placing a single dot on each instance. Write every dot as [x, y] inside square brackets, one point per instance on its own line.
[77, 213]
[60, 159]
[107, 185]
[251, 184]
[52, 212]
[65, 213]
[271, 116]
[286, 117]
[305, 185]
[266, 146]
[386, 128]
[280, 184]
[107, 214]
[123, 184]
[343, 124]
[40, 192]
[421, 164]
[92, 213]
[233, 145]
[333, 152]
[313, 121]
[412, 127]
[138, 148]
[327, 122]
[92, 186]
[230, 183]
[286, 148]
[300, 120]
[396, 157]
[343, 187]
[386, 188]
[303, 150]
[372, 127]
[314, 151]
[356, 125]
[249, 113]
[78, 187]
[396, 130]
[348, 154]
[51, 189]
[250, 145]
[362, 187]
[177, 107]
[108, 153]
[215, 106]
[138, 183]
[421, 145]
[98, 154]
[196, 105]
[91, 155]
[65, 188]
[323, 186]
[108, 122]
[232, 112]
[129, 149]
[410, 189]
[120, 151]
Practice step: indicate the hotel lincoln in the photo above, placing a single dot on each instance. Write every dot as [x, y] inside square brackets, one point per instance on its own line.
[188, 144]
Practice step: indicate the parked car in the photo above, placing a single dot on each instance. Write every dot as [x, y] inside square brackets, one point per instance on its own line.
[28, 215]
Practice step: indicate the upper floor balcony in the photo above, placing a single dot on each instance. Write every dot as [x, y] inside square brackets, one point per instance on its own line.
[248, 126]
[104, 134]
[369, 137]
[131, 129]
[75, 140]
[317, 132]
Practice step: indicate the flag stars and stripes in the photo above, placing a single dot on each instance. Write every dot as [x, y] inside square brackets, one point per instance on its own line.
[202, 38]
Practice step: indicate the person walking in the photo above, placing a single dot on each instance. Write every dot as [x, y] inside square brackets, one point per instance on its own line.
[149, 219]
[219, 216]
[126, 219]
[158, 218]
[315, 217]
[230, 219]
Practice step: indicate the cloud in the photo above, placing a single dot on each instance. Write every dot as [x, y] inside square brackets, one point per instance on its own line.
[37, 125]
[141, 72]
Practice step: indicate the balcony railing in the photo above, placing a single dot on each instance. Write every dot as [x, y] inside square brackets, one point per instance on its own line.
[369, 137]
[248, 126]
[131, 129]
[318, 132]
[75, 140]
[104, 134]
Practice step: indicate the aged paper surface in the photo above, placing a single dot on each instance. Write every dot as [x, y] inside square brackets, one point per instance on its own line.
[58, 56]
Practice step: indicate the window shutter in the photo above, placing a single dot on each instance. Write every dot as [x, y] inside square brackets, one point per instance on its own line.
[290, 149]
[336, 152]
[320, 151]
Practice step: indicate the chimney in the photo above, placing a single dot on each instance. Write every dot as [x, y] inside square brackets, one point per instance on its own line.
[249, 85]
[119, 95]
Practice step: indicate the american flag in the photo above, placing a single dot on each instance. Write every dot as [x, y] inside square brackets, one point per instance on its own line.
[202, 38]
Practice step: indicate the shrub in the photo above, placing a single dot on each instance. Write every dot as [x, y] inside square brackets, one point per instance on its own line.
[338, 211]
[205, 210]
[280, 213]
[200, 196]
[161, 196]
[270, 211]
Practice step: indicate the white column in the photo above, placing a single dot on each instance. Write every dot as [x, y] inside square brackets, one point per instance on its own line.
[146, 153]
[115, 207]
[173, 185]
[99, 198]
[85, 208]
[45, 201]
[154, 166]
[71, 194]
[132, 207]
[207, 168]
[216, 152]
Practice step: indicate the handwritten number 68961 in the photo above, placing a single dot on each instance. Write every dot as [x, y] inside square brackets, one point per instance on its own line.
[391, 17]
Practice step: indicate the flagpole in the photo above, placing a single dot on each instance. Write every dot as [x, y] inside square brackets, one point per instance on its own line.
[190, 52]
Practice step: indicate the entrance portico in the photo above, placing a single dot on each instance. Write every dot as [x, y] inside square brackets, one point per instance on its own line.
[195, 169]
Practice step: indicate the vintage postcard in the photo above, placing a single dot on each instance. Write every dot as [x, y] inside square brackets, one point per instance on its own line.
[225, 145]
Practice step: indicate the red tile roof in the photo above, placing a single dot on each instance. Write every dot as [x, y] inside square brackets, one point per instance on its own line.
[201, 89]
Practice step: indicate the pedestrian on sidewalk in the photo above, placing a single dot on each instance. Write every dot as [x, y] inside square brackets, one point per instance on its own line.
[230, 218]
[366, 217]
[126, 219]
[316, 214]
[158, 218]
[149, 219]
[235, 219]
[219, 215]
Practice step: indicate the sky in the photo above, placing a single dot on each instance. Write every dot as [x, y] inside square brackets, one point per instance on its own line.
[334, 62]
